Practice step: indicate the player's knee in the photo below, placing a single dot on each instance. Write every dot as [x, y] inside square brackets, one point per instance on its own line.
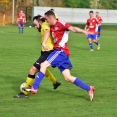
[33, 70]
[67, 78]
[45, 64]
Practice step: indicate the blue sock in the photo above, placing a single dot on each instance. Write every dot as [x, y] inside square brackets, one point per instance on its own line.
[91, 45]
[22, 30]
[81, 84]
[38, 80]
[19, 29]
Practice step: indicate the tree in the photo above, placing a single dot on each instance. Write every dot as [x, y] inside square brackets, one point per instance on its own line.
[78, 3]
[108, 4]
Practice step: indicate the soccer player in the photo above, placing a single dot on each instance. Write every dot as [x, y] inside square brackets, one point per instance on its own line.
[92, 26]
[21, 19]
[47, 48]
[60, 56]
[99, 25]
[54, 13]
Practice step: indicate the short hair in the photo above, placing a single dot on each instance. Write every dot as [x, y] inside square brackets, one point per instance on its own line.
[39, 18]
[97, 12]
[90, 11]
[50, 13]
[51, 9]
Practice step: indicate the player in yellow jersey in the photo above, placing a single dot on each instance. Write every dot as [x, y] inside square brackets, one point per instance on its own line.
[47, 48]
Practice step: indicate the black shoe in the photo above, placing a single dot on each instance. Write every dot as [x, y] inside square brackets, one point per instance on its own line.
[56, 85]
[20, 95]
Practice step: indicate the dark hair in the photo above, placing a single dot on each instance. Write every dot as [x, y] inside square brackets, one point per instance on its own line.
[90, 11]
[51, 9]
[39, 18]
[50, 13]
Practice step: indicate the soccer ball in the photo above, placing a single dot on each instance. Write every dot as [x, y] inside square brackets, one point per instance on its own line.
[22, 86]
[30, 26]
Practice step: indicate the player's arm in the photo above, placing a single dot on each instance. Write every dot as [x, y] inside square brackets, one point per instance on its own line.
[85, 28]
[77, 30]
[45, 38]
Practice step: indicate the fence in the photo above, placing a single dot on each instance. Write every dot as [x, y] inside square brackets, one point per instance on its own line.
[78, 15]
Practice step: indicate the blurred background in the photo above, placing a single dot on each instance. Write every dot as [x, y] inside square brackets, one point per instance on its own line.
[9, 9]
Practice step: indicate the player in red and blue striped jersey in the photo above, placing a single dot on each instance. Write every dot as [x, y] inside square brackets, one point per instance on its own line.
[21, 19]
[92, 26]
[100, 24]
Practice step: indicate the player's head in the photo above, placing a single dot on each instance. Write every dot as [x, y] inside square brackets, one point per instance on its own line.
[91, 14]
[21, 11]
[97, 13]
[50, 17]
[38, 20]
[52, 10]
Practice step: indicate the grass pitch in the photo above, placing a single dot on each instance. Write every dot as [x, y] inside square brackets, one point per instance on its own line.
[99, 68]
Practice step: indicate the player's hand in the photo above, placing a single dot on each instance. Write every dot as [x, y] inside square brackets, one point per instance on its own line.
[33, 91]
[46, 48]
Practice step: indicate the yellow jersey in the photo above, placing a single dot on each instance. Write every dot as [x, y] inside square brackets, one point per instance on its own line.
[49, 42]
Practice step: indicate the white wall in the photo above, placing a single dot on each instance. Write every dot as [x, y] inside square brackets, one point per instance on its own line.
[78, 15]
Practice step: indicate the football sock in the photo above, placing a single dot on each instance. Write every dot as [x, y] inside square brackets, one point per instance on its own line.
[81, 84]
[22, 30]
[91, 45]
[50, 76]
[29, 82]
[96, 43]
[38, 80]
[19, 29]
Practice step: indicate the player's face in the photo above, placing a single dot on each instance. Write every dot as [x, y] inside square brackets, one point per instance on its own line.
[37, 25]
[97, 14]
[91, 15]
[49, 20]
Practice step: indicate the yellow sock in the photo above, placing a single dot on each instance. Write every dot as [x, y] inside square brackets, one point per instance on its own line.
[29, 83]
[50, 76]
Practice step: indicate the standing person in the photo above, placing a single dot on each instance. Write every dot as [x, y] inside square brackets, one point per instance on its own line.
[92, 26]
[100, 24]
[60, 56]
[47, 48]
[21, 19]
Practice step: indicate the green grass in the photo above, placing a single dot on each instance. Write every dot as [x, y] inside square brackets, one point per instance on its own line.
[99, 68]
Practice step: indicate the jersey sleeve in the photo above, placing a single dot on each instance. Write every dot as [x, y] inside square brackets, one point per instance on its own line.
[87, 23]
[67, 25]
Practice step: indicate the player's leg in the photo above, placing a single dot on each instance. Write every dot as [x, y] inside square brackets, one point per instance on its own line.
[99, 29]
[96, 41]
[29, 81]
[50, 76]
[90, 42]
[19, 27]
[40, 76]
[65, 70]
[78, 82]
[22, 28]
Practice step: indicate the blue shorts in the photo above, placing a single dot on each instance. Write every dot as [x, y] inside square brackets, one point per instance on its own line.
[93, 37]
[99, 28]
[20, 24]
[59, 59]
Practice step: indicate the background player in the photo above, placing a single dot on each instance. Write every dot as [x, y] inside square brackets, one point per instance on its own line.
[92, 26]
[21, 19]
[100, 24]
[47, 48]
[60, 56]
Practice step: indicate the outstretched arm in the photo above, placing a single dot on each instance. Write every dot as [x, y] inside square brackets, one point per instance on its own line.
[77, 30]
